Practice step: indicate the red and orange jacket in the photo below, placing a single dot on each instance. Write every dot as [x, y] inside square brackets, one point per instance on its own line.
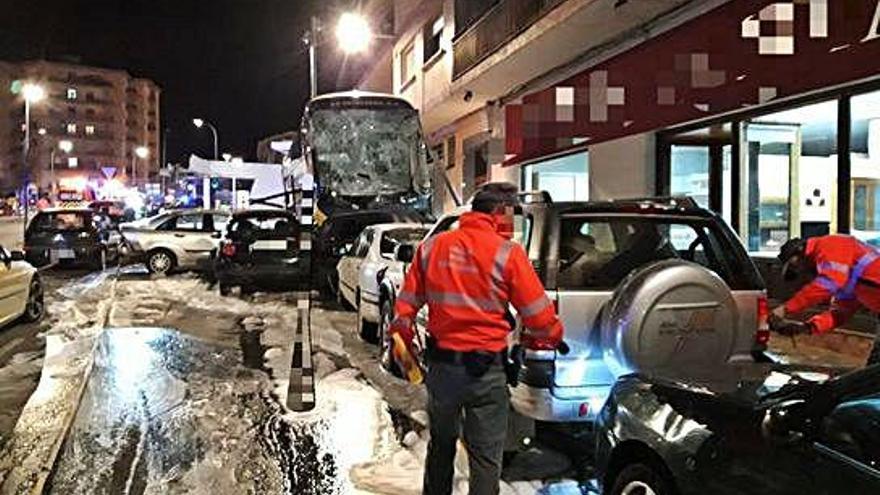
[467, 277]
[848, 275]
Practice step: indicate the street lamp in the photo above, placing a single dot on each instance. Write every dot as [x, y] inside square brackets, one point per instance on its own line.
[32, 93]
[141, 152]
[353, 34]
[199, 123]
[64, 145]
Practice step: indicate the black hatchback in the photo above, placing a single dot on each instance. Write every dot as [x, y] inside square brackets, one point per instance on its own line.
[261, 249]
[752, 428]
[69, 237]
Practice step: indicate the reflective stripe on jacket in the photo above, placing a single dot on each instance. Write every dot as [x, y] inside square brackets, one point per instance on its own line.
[467, 277]
[847, 274]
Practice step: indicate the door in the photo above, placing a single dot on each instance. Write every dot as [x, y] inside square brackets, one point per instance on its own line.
[13, 287]
[194, 235]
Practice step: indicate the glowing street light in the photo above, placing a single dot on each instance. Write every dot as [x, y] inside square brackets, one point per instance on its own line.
[66, 146]
[353, 33]
[32, 93]
[141, 152]
[199, 123]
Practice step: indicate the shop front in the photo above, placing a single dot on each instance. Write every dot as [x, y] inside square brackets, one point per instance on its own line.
[767, 112]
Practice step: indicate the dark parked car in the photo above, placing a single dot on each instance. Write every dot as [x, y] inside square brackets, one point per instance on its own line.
[70, 237]
[261, 248]
[756, 429]
[337, 234]
[112, 212]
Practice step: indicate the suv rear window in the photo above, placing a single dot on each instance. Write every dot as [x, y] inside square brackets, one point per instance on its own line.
[62, 221]
[599, 252]
[250, 229]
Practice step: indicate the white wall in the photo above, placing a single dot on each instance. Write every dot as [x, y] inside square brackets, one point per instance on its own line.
[623, 168]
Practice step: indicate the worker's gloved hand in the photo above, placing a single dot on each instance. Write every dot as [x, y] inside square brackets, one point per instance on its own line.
[790, 328]
[404, 328]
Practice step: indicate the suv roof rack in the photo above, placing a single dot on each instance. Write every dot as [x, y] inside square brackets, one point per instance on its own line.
[686, 202]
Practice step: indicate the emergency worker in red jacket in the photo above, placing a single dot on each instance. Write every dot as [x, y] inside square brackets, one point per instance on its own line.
[467, 277]
[845, 272]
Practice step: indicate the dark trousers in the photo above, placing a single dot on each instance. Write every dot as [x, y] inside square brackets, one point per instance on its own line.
[476, 407]
[874, 357]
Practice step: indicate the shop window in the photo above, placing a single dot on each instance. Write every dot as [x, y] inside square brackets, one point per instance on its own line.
[565, 178]
[696, 159]
[690, 172]
[865, 160]
[789, 176]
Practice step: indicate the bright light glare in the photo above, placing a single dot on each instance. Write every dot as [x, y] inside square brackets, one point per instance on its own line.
[75, 183]
[198, 123]
[353, 33]
[142, 151]
[33, 92]
[227, 156]
[65, 145]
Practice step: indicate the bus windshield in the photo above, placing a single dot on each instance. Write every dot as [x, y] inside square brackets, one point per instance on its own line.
[369, 151]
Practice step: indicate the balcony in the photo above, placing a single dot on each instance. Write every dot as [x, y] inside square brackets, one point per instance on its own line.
[500, 24]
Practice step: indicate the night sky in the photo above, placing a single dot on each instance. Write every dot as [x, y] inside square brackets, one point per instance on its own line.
[240, 64]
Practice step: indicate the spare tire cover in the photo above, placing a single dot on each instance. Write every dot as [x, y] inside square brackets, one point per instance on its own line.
[671, 316]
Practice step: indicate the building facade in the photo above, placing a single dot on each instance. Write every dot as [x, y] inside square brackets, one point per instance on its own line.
[766, 111]
[106, 115]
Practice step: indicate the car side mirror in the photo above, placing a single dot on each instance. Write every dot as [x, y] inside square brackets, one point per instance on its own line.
[783, 423]
[405, 253]
[16, 256]
[216, 235]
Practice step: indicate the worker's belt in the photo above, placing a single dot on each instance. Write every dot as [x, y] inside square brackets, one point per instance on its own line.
[477, 363]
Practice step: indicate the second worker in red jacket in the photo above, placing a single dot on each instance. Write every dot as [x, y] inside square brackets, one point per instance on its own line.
[467, 277]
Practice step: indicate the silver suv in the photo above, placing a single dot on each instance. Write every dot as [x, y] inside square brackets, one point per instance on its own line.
[640, 285]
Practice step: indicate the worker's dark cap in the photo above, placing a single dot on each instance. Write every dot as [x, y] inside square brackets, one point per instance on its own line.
[791, 248]
[495, 195]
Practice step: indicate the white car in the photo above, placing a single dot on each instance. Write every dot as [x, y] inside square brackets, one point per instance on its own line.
[21, 293]
[180, 239]
[358, 270]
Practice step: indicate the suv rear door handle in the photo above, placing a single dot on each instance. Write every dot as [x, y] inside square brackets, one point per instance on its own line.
[178, 235]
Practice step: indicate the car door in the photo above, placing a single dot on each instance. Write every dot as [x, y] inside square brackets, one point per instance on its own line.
[193, 234]
[13, 287]
[346, 267]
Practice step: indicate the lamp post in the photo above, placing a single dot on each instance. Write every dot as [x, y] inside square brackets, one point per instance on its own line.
[66, 146]
[199, 123]
[32, 93]
[353, 34]
[141, 152]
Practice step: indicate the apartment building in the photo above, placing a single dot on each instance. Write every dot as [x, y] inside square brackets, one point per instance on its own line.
[766, 111]
[106, 115]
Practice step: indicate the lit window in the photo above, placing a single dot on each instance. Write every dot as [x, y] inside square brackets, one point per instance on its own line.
[407, 64]
[433, 34]
[71, 128]
[72, 162]
[90, 129]
[71, 93]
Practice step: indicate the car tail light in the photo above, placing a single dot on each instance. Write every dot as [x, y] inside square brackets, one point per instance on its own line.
[584, 409]
[228, 250]
[762, 336]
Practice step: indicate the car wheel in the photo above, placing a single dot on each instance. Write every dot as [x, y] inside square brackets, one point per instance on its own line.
[225, 289]
[386, 358]
[35, 306]
[160, 261]
[367, 330]
[640, 479]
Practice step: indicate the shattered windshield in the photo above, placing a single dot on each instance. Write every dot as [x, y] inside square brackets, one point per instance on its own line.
[369, 152]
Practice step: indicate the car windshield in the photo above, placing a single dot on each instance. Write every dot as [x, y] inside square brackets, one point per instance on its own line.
[599, 252]
[369, 152]
[62, 221]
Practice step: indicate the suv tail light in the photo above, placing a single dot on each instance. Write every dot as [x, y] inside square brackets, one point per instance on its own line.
[762, 336]
[228, 250]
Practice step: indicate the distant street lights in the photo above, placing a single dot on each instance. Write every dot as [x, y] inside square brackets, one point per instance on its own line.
[141, 152]
[353, 35]
[32, 93]
[199, 123]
